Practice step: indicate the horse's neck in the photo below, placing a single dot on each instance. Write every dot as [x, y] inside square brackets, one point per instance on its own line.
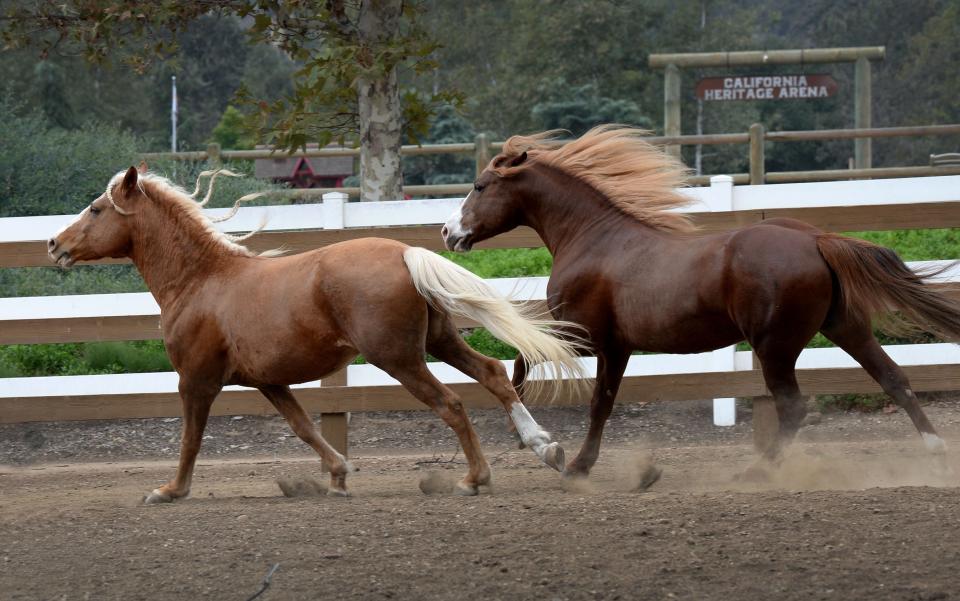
[172, 258]
[569, 215]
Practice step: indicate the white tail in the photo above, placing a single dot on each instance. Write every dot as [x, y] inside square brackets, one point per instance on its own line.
[453, 289]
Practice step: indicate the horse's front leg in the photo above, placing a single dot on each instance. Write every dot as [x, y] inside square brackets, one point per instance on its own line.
[195, 401]
[610, 367]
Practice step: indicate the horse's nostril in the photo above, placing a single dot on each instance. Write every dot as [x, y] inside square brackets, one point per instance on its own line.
[51, 244]
[443, 232]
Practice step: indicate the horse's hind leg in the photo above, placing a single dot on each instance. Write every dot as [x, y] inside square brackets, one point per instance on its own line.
[779, 373]
[856, 337]
[422, 384]
[301, 424]
[445, 343]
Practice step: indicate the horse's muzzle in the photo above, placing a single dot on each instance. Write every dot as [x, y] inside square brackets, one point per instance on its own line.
[58, 255]
[457, 243]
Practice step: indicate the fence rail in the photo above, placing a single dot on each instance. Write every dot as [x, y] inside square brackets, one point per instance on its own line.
[930, 202]
[930, 367]
[481, 148]
[136, 315]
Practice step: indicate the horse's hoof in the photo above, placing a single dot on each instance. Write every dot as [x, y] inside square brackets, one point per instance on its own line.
[553, 456]
[338, 492]
[574, 475]
[649, 478]
[466, 490]
[156, 497]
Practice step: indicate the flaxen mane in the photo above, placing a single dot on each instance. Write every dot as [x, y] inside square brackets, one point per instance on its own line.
[187, 213]
[635, 176]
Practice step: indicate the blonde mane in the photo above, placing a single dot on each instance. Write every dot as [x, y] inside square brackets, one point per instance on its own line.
[186, 211]
[636, 177]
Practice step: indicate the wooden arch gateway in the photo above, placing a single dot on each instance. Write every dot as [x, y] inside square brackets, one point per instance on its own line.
[860, 56]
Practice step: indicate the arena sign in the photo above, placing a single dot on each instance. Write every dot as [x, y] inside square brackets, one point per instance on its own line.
[766, 87]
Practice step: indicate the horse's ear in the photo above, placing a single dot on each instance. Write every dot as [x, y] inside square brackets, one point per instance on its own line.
[142, 167]
[129, 183]
[517, 160]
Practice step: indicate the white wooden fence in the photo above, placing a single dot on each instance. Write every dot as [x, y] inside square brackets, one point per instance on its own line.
[846, 205]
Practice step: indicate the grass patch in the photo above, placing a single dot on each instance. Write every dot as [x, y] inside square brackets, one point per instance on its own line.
[917, 245]
[505, 262]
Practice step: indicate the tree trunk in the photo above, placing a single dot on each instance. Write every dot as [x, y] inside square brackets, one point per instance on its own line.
[381, 116]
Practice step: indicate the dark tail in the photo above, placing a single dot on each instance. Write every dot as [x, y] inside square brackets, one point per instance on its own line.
[873, 280]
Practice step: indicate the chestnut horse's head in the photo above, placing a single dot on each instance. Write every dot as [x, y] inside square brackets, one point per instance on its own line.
[104, 228]
[491, 208]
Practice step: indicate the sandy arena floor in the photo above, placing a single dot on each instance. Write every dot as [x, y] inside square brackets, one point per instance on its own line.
[856, 513]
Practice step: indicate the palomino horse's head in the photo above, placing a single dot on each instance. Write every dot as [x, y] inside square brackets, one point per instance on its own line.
[491, 208]
[104, 228]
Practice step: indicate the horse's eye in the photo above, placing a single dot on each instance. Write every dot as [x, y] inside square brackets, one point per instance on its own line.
[478, 187]
[94, 210]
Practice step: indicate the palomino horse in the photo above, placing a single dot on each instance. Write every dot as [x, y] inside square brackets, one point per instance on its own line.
[639, 277]
[232, 317]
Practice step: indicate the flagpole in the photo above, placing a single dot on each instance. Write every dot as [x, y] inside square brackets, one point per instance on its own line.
[173, 115]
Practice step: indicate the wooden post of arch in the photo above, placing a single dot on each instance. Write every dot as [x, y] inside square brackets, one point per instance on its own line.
[671, 107]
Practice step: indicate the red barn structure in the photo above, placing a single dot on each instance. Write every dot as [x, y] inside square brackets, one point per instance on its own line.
[305, 172]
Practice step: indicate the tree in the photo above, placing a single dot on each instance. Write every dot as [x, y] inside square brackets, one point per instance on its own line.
[350, 53]
[578, 108]
[231, 132]
[447, 126]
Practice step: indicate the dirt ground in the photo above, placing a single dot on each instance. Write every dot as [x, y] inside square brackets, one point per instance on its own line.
[857, 512]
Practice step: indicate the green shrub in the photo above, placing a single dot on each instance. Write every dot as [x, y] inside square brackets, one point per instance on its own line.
[126, 357]
[7, 370]
[42, 359]
[71, 359]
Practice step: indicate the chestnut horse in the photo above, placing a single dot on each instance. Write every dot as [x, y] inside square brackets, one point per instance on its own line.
[232, 317]
[638, 276]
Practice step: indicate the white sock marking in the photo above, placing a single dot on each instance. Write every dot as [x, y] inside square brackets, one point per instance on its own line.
[530, 432]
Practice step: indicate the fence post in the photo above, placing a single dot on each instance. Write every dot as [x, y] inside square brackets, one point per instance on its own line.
[671, 107]
[757, 159]
[213, 155]
[334, 204]
[862, 147]
[720, 198]
[334, 426]
[482, 152]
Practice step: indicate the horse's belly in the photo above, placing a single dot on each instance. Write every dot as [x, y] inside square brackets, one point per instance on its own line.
[290, 361]
[695, 334]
